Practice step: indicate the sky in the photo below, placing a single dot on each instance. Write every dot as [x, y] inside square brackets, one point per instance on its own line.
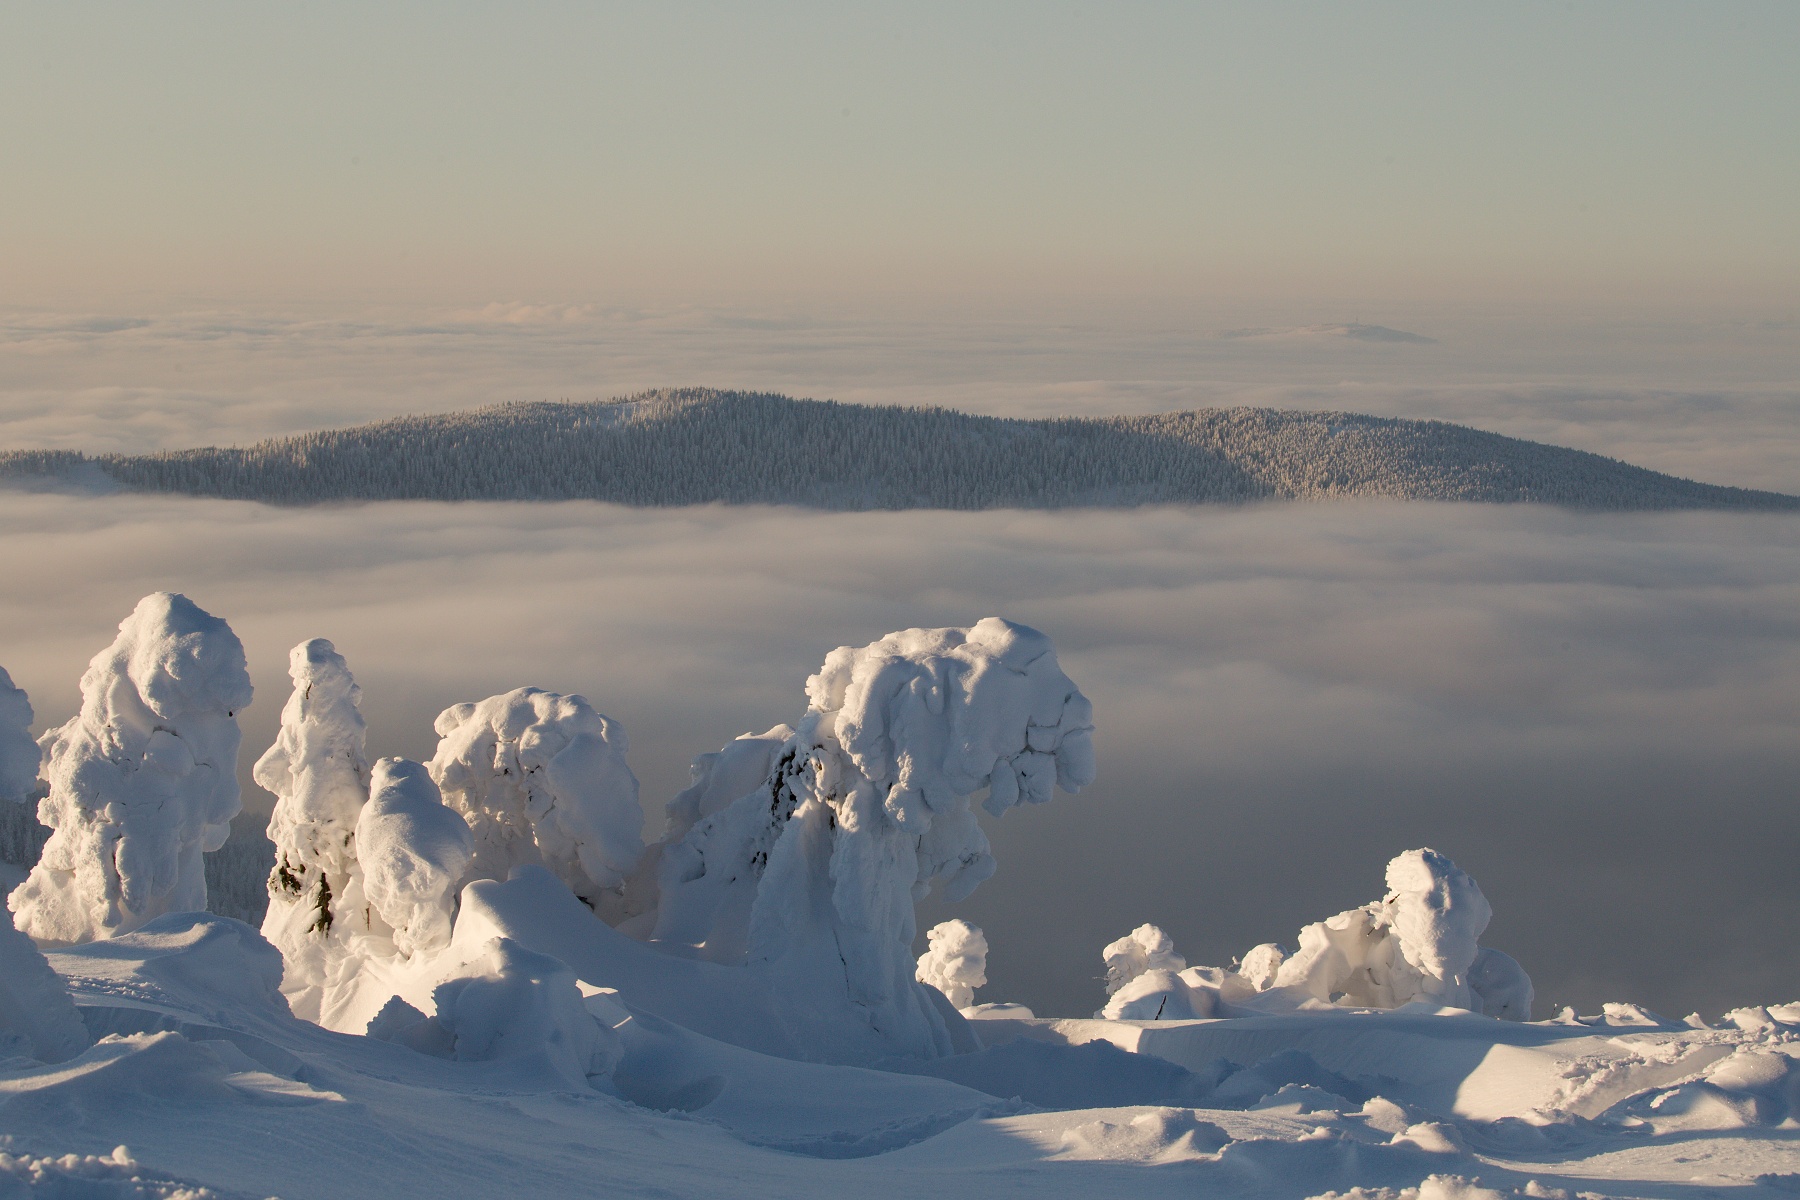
[220, 223]
[1003, 154]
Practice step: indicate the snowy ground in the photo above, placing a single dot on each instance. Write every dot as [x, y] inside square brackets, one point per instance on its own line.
[207, 1080]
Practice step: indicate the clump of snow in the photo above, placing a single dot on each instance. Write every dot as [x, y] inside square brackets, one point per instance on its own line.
[815, 871]
[1419, 943]
[955, 962]
[37, 1017]
[1160, 1135]
[115, 1176]
[414, 852]
[541, 779]
[18, 752]
[319, 774]
[143, 780]
[1145, 948]
[509, 1003]
[1159, 995]
[1448, 1187]
[1500, 985]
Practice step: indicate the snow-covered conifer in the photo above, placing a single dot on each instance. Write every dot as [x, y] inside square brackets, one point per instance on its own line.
[955, 961]
[414, 852]
[541, 778]
[143, 780]
[319, 775]
[1418, 943]
[866, 806]
[18, 752]
[1146, 948]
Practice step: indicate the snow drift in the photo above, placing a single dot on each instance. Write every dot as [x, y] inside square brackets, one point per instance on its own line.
[142, 781]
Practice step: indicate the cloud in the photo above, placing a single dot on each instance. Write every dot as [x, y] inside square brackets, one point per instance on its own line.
[1593, 714]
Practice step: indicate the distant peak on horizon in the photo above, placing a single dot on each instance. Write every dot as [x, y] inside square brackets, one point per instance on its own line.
[1352, 331]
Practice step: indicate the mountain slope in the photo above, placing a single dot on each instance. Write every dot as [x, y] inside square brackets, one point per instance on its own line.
[696, 446]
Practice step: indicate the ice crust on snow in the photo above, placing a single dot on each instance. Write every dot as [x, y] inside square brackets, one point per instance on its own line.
[18, 751]
[541, 779]
[318, 915]
[816, 871]
[142, 781]
[414, 852]
[955, 962]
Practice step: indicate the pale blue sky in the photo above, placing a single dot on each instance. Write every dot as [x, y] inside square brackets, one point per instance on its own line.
[1614, 153]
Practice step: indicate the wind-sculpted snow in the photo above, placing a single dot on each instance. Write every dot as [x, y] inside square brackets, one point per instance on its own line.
[541, 778]
[696, 446]
[816, 871]
[955, 961]
[37, 1018]
[143, 780]
[319, 774]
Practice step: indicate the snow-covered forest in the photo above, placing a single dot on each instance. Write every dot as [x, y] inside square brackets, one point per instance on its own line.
[696, 446]
[478, 967]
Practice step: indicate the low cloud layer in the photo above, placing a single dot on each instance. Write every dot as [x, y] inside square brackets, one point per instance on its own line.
[1712, 400]
[1595, 715]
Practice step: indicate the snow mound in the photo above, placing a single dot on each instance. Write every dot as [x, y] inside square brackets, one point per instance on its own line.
[956, 962]
[115, 1176]
[815, 872]
[18, 752]
[1449, 1187]
[319, 774]
[37, 1018]
[1053, 1075]
[414, 853]
[143, 780]
[541, 779]
[1756, 1085]
[509, 1003]
[1160, 1135]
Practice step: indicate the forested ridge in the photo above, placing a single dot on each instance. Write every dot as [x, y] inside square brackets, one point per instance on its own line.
[698, 446]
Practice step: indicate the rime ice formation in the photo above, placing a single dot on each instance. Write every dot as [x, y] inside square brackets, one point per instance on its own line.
[955, 962]
[1145, 948]
[508, 1003]
[816, 871]
[143, 780]
[1416, 944]
[319, 775]
[37, 1017]
[541, 779]
[18, 752]
[414, 852]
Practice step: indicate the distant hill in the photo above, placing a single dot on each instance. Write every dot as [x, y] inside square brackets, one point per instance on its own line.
[695, 446]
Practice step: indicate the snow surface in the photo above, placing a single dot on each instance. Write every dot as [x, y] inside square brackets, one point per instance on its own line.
[143, 780]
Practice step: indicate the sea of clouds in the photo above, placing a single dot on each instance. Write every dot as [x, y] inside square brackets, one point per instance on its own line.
[1594, 714]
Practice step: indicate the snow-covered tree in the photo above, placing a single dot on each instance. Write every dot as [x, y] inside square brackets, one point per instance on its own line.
[955, 961]
[18, 752]
[319, 775]
[414, 852]
[1146, 948]
[866, 806]
[143, 780]
[541, 778]
[1418, 943]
